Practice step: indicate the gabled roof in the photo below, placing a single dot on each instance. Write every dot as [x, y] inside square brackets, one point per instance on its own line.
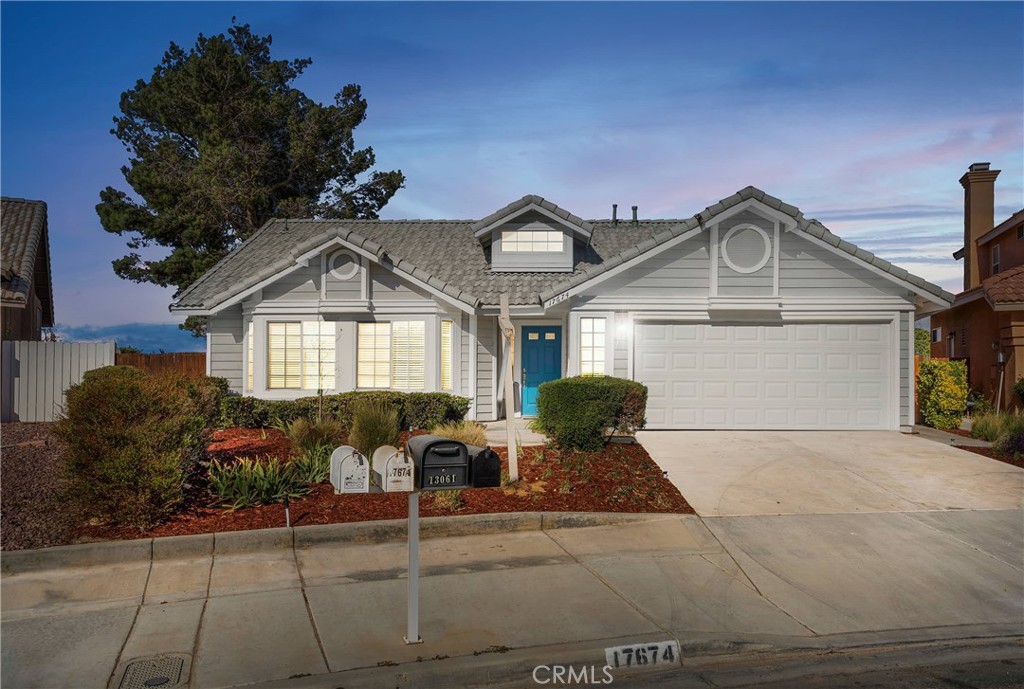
[532, 202]
[25, 254]
[445, 255]
[1005, 290]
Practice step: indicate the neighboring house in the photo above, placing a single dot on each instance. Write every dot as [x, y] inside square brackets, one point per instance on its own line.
[746, 315]
[986, 321]
[26, 299]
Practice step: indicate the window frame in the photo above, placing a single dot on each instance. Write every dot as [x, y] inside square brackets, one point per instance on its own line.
[996, 259]
[936, 335]
[589, 327]
[574, 345]
[525, 241]
[426, 355]
[302, 362]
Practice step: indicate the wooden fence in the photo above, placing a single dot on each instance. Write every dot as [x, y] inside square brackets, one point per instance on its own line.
[185, 363]
[35, 375]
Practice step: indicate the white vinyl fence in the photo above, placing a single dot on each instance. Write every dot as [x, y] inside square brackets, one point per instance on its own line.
[35, 375]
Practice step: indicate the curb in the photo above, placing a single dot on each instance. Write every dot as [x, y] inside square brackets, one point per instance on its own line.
[233, 542]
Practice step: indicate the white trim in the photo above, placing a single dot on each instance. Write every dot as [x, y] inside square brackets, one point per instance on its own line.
[509, 217]
[775, 259]
[897, 373]
[911, 388]
[630, 340]
[766, 251]
[713, 256]
[474, 349]
[355, 267]
[209, 352]
[495, 358]
[875, 269]
[758, 207]
[626, 265]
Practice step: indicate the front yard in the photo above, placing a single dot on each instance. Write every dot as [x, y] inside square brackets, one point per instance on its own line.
[620, 478]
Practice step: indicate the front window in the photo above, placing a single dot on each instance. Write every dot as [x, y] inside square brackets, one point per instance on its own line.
[391, 355]
[592, 346]
[300, 356]
[521, 241]
[447, 354]
[936, 335]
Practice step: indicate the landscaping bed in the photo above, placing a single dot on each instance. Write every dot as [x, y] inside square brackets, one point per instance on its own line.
[620, 478]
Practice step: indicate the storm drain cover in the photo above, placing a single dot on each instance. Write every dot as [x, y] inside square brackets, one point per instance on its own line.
[158, 671]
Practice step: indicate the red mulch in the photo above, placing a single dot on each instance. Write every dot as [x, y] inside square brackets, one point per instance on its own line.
[622, 478]
[991, 454]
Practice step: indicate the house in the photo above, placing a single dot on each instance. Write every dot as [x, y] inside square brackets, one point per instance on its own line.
[746, 315]
[985, 324]
[26, 296]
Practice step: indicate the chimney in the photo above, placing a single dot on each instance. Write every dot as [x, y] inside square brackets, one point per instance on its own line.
[634, 216]
[979, 217]
[615, 214]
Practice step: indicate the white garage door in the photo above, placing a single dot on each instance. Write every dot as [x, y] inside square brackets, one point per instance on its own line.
[813, 376]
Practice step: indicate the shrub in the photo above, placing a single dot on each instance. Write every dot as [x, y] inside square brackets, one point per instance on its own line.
[980, 403]
[419, 409]
[577, 412]
[1011, 445]
[448, 500]
[307, 436]
[1018, 389]
[248, 482]
[131, 440]
[468, 432]
[987, 427]
[942, 389]
[922, 343]
[314, 465]
[374, 423]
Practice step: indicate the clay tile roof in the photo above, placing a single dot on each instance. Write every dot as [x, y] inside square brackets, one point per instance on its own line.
[1006, 287]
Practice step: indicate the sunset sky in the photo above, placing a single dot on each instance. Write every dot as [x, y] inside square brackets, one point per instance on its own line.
[864, 115]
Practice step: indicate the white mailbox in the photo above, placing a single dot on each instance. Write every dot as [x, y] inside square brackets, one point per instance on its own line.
[398, 469]
[350, 471]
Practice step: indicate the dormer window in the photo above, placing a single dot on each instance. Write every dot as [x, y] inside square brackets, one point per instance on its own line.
[532, 241]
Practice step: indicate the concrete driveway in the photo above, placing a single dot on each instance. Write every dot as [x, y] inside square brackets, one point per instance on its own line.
[743, 473]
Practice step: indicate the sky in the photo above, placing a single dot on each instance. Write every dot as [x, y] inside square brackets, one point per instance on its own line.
[864, 115]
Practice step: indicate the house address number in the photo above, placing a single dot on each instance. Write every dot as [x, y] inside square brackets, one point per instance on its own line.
[556, 299]
[638, 655]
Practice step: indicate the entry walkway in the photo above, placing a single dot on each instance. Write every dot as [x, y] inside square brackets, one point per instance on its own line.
[497, 435]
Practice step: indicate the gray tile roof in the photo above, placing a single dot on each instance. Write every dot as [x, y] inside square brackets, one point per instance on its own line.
[23, 235]
[446, 255]
[538, 201]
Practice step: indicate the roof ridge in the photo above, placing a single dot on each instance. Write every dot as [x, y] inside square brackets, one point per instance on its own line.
[21, 200]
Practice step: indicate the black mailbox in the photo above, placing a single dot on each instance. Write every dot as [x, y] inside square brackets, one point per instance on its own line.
[485, 467]
[441, 464]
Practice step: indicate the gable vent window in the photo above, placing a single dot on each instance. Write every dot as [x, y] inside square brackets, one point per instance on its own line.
[531, 241]
[391, 355]
[592, 346]
[995, 259]
[300, 356]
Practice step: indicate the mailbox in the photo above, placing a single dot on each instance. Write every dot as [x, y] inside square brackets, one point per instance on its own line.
[440, 463]
[485, 467]
[351, 472]
[397, 468]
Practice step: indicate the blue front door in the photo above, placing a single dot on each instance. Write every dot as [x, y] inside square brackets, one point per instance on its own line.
[542, 361]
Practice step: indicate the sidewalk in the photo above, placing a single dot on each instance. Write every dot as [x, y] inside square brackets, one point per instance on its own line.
[326, 607]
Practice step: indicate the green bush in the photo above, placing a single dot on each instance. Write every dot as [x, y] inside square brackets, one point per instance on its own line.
[306, 436]
[987, 427]
[981, 403]
[374, 424]
[1018, 389]
[314, 465]
[418, 409]
[578, 412]
[1011, 445]
[922, 343]
[942, 391]
[248, 482]
[131, 440]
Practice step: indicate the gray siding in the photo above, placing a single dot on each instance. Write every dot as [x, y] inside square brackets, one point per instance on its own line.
[386, 285]
[683, 267]
[301, 285]
[906, 369]
[529, 261]
[226, 341]
[759, 283]
[486, 358]
[341, 290]
[809, 270]
[621, 344]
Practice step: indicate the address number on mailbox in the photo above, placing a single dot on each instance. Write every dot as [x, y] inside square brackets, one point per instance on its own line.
[439, 477]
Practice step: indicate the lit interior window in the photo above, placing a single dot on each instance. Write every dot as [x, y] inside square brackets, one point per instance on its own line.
[300, 356]
[592, 343]
[523, 241]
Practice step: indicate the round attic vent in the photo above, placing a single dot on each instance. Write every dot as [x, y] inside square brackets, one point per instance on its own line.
[746, 248]
[343, 265]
